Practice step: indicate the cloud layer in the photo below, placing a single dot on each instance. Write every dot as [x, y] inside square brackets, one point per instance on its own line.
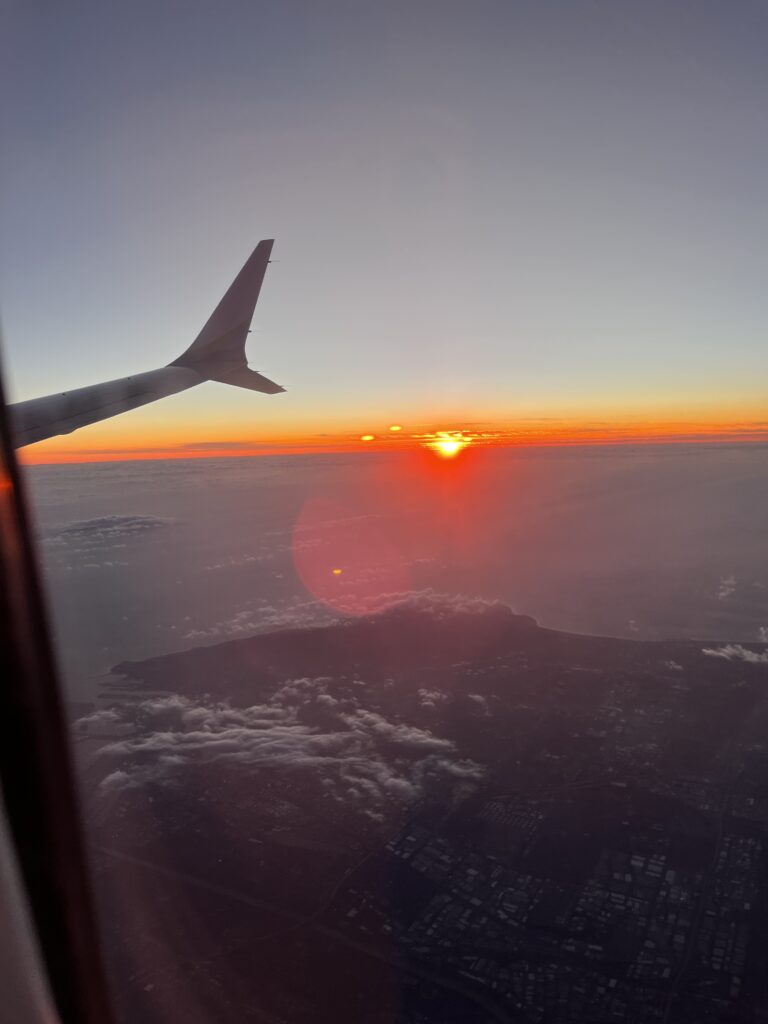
[736, 652]
[307, 727]
[108, 528]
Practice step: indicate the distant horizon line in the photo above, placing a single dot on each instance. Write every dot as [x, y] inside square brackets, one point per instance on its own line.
[204, 450]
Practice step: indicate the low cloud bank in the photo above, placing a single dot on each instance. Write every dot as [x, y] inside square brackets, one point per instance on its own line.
[262, 616]
[108, 528]
[357, 755]
[736, 652]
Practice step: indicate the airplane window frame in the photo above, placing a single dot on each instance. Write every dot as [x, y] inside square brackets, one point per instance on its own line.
[37, 777]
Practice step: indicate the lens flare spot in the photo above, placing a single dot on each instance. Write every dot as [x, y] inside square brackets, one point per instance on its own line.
[395, 428]
[367, 437]
[346, 560]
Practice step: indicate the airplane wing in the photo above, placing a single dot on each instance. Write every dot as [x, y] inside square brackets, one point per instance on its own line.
[244, 377]
[217, 353]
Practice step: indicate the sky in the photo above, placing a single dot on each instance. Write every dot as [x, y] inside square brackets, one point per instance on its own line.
[535, 220]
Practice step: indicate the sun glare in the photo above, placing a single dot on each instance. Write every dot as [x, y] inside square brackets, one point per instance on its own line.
[448, 446]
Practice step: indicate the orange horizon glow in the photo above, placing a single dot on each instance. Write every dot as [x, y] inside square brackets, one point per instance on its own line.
[118, 444]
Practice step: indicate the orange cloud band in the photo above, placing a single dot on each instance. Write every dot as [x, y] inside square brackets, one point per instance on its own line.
[94, 446]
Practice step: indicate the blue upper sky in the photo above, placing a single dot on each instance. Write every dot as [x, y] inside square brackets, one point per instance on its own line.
[497, 207]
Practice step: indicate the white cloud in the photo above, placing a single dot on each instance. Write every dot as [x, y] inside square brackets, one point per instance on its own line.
[735, 652]
[359, 756]
[261, 616]
[396, 733]
[431, 698]
[440, 605]
[118, 780]
[480, 701]
[104, 722]
[726, 587]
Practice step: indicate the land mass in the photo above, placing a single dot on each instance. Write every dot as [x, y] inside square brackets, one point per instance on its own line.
[440, 813]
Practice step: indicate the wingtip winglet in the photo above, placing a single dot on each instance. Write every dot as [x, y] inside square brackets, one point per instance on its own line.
[221, 342]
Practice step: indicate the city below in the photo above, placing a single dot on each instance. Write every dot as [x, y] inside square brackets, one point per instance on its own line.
[441, 813]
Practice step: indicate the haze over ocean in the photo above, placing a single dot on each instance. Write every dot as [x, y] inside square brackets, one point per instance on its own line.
[144, 558]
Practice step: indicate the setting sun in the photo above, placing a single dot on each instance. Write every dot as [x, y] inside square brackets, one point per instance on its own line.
[448, 446]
